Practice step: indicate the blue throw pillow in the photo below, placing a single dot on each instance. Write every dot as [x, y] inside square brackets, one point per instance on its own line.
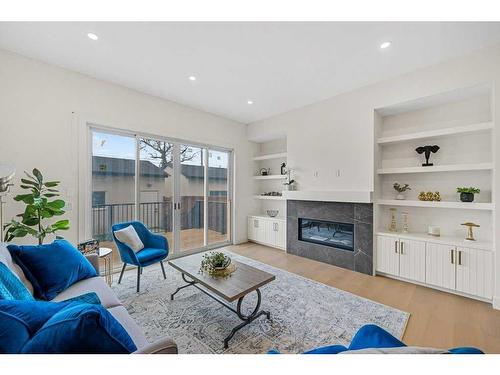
[11, 288]
[81, 328]
[53, 267]
[19, 320]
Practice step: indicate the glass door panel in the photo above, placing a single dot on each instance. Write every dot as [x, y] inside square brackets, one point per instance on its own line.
[191, 197]
[156, 187]
[113, 185]
[218, 196]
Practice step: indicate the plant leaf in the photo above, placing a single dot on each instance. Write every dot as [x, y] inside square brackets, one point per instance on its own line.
[29, 182]
[57, 204]
[38, 175]
[52, 183]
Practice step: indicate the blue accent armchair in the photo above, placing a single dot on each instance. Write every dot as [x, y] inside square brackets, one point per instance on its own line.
[372, 336]
[155, 249]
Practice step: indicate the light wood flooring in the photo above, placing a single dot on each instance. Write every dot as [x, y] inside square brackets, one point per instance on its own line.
[438, 319]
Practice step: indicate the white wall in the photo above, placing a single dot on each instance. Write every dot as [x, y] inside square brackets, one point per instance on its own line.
[41, 104]
[338, 133]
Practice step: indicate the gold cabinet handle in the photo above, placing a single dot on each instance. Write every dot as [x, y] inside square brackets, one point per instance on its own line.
[396, 247]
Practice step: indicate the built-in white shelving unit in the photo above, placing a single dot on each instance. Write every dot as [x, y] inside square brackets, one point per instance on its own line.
[262, 228]
[461, 124]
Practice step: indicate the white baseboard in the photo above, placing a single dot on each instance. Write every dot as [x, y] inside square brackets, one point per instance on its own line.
[496, 303]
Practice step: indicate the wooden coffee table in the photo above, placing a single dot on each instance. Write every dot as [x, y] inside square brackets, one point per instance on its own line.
[244, 280]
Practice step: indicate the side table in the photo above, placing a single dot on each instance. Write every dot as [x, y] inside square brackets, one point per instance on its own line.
[106, 254]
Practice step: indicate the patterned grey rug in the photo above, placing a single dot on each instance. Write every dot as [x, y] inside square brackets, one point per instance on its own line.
[305, 314]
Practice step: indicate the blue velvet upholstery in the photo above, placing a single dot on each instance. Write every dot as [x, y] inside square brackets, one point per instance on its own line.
[155, 245]
[19, 320]
[155, 249]
[372, 336]
[11, 288]
[52, 268]
[81, 328]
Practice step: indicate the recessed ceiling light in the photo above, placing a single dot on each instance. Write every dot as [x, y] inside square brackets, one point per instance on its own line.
[192, 78]
[92, 36]
[385, 45]
[250, 102]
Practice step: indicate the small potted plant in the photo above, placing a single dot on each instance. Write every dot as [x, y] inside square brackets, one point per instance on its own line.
[290, 183]
[215, 263]
[467, 193]
[401, 189]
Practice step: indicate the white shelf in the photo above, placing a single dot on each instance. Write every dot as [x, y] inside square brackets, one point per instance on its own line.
[457, 130]
[458, 205]
[280, 155]
[269, 197]
[437, 168]
[271, 177]
[445, 240]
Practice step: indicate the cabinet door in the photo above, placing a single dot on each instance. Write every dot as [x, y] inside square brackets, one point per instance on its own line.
[412, 260]
[388, 255]
[280, 234]
[259, 228]
[269, 233]
[440, 265]
[474, 272]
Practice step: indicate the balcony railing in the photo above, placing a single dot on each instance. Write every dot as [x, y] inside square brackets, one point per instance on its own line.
[158, 216]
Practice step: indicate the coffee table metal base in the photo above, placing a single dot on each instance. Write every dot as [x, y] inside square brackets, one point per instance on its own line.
[247, 319]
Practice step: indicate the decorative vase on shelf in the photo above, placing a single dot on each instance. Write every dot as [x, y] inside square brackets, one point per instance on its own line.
[393, 226]
[467, 197]
[400, 197]
[404, 227]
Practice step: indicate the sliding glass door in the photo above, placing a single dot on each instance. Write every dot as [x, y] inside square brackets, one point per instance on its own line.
[179, 190]
[156, 186]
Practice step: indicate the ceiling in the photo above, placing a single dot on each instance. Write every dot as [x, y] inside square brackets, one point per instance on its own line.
[278, 66]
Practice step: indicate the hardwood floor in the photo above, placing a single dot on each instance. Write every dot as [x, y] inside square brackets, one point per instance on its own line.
[438, 319]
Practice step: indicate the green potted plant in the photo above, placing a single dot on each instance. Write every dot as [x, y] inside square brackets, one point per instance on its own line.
[467, 193]
[215, 263]
[39, 207]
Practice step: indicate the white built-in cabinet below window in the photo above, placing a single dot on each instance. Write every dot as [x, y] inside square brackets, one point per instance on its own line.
[455, 268]
[267, 231]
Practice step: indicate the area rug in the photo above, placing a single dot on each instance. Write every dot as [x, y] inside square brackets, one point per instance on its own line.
[305, 314]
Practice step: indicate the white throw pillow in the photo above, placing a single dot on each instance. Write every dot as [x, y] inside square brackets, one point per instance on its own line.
[130, 238]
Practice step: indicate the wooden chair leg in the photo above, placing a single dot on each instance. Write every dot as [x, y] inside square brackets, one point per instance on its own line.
[139, 278]
[121, 273]
[163, 270]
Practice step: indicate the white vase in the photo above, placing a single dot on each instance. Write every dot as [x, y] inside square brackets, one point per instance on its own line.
[400, 197]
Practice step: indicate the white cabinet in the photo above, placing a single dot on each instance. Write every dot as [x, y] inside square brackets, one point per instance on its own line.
[455, 268]
[474, 272]
[462, 269]
[388, 255]
[412, 260]
[256, 229]
[401, 257]
[440, 265]
[267, 231]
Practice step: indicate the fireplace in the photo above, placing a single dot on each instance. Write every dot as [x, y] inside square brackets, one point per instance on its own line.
[327, 233]
[337, 233]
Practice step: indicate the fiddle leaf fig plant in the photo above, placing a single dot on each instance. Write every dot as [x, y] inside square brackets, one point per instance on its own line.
[39, 207]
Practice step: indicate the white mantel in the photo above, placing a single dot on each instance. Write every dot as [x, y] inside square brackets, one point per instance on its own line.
[350, 196]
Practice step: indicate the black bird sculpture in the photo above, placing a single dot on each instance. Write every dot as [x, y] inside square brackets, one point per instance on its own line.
[427, 150]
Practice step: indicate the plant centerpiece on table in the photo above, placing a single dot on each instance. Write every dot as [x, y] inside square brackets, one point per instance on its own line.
[467, 193]
[39, 207]
[401, 189]
[216, 264]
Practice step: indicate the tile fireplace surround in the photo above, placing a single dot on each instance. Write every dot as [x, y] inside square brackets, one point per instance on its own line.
[359, 214]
